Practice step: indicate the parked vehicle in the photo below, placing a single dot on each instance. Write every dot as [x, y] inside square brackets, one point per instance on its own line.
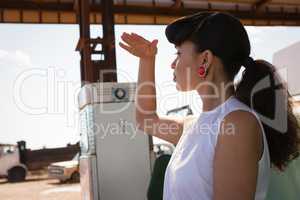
[17, 160]
[65, 171]
[11, 166]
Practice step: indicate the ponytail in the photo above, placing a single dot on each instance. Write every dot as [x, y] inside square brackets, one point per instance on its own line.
[263, 91]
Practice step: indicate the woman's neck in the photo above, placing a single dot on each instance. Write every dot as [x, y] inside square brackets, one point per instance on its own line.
[215, 96]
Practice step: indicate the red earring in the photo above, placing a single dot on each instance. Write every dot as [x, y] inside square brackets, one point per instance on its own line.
[202, 71]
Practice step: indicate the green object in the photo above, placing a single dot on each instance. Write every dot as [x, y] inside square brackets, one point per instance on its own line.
[285, 185]
[156, 187]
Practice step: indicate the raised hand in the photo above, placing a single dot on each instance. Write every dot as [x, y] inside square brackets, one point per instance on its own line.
[139, 46]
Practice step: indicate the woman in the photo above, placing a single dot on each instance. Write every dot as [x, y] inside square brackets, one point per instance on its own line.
[227, 153]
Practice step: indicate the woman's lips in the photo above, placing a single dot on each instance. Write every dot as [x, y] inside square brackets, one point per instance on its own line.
[174, 77]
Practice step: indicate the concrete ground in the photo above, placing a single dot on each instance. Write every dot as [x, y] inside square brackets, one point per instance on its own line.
[39, 188]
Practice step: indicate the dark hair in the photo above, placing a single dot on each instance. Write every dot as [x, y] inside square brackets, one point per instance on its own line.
[260, 87]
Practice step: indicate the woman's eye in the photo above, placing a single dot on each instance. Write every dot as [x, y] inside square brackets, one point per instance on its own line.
[177, 53]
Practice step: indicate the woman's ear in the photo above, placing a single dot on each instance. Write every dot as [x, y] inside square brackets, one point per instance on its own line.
[207, 58]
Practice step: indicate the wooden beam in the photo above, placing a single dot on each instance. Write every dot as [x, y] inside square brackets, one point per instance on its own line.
[109, 43]
[163, 11]
[261, 3]
[177, 4]
[29, 5]
[70, 6]
[128, 10]
[76, 6]
[86, 70]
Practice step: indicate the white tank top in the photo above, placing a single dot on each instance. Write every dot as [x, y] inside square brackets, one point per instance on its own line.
[189, 175]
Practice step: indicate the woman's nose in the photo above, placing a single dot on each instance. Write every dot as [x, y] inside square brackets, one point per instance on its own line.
[173, 64]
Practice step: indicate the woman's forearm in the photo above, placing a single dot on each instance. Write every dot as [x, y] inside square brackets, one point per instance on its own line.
[146, 93]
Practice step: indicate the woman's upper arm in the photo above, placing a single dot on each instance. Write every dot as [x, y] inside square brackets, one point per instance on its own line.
[236, 157]
[164, 127]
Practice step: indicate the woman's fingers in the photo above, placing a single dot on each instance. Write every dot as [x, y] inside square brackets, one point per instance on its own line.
[124, 46]
[137, 45]
[154, 43]
[127, 48]
[126, 39]
[134, 39]
[129, 39]
[139, 38]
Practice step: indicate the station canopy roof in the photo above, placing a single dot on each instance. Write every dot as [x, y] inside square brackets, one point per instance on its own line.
[251, 12]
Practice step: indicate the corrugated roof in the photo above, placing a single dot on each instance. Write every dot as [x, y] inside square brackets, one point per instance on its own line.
[251, 12]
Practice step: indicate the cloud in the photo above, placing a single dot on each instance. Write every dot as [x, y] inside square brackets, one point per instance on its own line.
[23, 58]
[17, 59]
[3, 53]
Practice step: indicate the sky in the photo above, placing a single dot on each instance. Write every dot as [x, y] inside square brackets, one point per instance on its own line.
[40, 77]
